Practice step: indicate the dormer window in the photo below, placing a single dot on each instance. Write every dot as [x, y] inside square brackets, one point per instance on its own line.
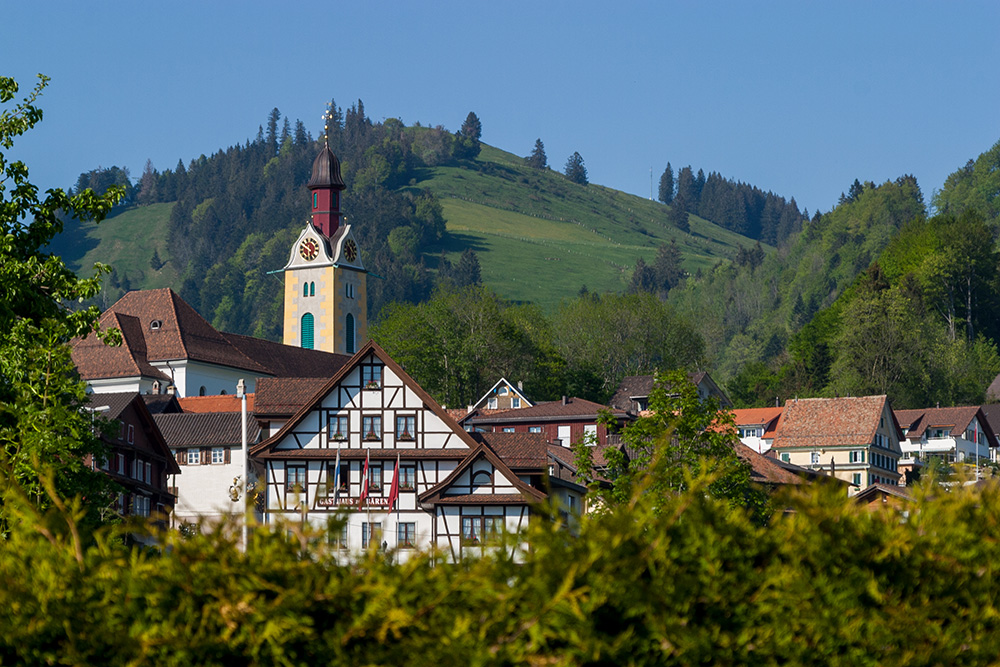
[155, 325]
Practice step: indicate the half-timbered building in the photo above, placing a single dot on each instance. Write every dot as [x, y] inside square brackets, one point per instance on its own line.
[371, 424]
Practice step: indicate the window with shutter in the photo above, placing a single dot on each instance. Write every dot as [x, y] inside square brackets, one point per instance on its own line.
[307, 331]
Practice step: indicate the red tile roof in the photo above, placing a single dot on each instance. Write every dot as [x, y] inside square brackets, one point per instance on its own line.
[829, 422]
[229, 403]
[763, 469]
[766, 417]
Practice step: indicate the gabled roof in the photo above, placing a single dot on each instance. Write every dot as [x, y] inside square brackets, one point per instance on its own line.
[764, 470]
[226, 403]
[572, 408]
[869, 494]
[283, 397]
[287, 360]
[956, 419]
[831, 422]
[640, 386]
[992, 414]
[766, 417]
[96, 360]
[371, 347]
[158, 404]
[631, 386]
[501, 381]
[174, 330]
[206, 429]
[117, 403]
[435, 494]
[520, 451]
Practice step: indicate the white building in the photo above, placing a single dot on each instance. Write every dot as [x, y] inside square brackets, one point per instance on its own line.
[956, 435]
[207, 447]
[757, 427]
[458, 491]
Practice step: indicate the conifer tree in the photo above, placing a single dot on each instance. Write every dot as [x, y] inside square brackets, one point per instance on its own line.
[575, 169]
[666, 194]
[678, 215]
[537, 159]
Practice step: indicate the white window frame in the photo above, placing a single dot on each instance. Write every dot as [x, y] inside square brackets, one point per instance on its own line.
[193, 457]
[218, 455]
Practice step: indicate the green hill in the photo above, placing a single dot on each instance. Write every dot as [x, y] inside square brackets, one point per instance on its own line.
[540, 237]
[127, 241]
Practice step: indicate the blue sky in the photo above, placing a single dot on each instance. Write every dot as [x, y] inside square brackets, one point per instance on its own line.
[797, 97]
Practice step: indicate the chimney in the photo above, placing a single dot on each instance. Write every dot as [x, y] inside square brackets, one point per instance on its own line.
[564, 400]
[171, 390]
[520, 386]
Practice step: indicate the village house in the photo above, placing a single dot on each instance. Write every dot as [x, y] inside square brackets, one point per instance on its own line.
[372, 443]
[953, 435]
[632, 395]
[856, 439]
[756, 427]
[561, 422]
[138, 459]
[206, 440]
[502, 396]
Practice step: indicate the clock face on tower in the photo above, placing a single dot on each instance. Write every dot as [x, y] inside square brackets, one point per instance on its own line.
[309, 249]
[350, 250]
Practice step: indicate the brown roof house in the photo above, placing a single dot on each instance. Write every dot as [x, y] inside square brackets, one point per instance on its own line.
[633, 392]
[855, 439]
[166, 343]
[208, 450]
[371, 441]
[561, 422]
[139, 459]
[956, 435]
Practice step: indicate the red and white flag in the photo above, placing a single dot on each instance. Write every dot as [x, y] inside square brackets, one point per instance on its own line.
[364, 481]
[394, 489]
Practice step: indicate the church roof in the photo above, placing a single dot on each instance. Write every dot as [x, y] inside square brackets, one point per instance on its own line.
[326, 171]
[95, 359]
[168, 329]
[158, 325]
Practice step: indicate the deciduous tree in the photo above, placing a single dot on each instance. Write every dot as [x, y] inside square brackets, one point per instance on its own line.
[45, 434]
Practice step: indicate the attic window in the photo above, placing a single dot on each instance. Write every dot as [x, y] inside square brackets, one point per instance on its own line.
[155, 325]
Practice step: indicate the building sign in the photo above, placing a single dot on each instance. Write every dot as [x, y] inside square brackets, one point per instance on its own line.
[370, 501]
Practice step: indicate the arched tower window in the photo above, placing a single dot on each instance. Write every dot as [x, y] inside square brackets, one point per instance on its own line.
[315, 200]
[305, 289]
[307, 331]
[349, 331]
[312, 289]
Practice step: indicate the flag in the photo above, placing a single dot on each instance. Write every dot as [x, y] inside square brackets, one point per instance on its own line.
[364, 481]
[336, 478]
[394, 489]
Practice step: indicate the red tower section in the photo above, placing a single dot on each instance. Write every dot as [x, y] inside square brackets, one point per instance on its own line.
[325, 186]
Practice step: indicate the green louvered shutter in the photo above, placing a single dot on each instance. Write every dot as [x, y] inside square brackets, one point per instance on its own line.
[307, 331]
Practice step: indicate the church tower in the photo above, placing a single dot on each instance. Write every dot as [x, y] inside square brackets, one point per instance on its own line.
[325, 280]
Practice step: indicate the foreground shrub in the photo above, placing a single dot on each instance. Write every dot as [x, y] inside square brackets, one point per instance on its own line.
[695, 582]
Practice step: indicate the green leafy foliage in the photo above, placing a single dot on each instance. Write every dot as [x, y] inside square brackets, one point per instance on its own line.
[683, 578]
[45, 436]
[976, 187]
[678, 433]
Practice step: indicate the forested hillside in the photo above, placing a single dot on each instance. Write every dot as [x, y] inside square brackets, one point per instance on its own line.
[428, 205]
